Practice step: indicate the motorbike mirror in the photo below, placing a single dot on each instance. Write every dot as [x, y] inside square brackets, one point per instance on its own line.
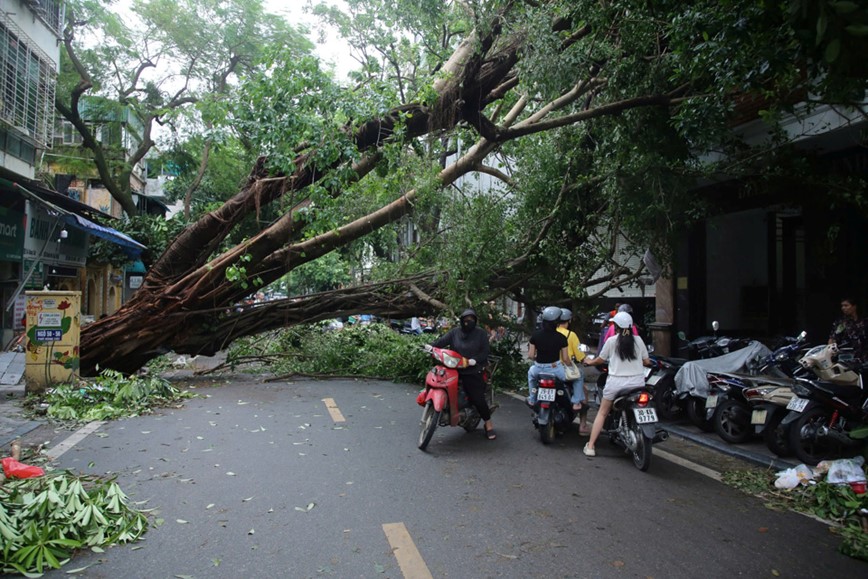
[682, 336]
[715, 325]
[803, 335]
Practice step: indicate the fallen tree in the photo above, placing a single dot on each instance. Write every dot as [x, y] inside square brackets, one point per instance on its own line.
[485, 88]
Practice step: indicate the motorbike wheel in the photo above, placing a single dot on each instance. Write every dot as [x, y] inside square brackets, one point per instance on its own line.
[776, 436]
[547, 431]
[696, 413]
[642, 453]
[665, 399]
[732, 421]
[807, 446]
[430, 418]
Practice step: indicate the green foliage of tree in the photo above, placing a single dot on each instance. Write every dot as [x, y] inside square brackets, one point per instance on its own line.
[173, 64]
[153, 231]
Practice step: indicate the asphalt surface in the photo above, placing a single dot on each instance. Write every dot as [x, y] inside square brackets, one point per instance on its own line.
[255, 479]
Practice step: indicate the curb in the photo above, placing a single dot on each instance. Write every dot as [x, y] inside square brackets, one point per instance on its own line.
[720, 446]
[19, 432]
[730, 449]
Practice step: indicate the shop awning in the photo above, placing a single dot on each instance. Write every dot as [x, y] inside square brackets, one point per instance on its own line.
[130, 246]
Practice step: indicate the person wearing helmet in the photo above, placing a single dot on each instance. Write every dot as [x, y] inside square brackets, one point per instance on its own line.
[575, 355]
[627, 356]
[610, 331]
[471, 342]
[547, 351]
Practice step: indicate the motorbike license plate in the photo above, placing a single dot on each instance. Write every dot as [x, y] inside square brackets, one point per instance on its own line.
[797, 404]
[546, 394]
[711, 401]
[645, 415]
[758, 416]
[652, 380]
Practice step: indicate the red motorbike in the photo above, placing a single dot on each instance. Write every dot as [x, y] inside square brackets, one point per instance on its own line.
[443, 400]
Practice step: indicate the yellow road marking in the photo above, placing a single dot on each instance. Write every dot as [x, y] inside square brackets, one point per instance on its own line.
[333, 410]
[409, 559]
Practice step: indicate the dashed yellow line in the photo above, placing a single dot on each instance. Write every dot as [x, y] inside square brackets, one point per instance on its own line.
[333, 410]
[405, 551]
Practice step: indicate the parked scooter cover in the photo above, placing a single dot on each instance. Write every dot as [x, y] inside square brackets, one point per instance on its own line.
[691, 378]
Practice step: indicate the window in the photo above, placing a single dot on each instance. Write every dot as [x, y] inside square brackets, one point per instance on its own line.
[27, 85]
[70, 135]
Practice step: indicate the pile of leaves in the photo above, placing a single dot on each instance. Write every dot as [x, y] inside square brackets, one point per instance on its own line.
[109, 396]
[835, 503]
[367, 351]
[44, 520]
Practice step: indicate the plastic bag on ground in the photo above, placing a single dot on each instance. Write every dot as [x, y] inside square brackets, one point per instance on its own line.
[14, 469]
[845, 470]
[793, 477]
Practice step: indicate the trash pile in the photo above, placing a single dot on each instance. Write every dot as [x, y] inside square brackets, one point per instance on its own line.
[844, 471]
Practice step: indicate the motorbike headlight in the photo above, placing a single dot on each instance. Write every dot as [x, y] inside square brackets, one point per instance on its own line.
[451, 361]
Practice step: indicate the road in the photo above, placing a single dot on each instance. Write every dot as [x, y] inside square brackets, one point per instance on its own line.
[268, 480]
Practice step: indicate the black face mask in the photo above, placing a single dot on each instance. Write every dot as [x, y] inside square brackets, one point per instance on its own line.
[468, 325]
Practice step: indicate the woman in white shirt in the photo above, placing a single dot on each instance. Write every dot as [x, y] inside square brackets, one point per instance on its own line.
[627, 356]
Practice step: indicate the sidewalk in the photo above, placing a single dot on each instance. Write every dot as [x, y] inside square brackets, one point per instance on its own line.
[13, 424]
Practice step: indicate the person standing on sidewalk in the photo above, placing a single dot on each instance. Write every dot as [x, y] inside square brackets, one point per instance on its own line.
[627, 356]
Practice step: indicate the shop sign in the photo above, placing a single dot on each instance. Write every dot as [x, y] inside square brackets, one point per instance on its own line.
[43, 237]
[11, 234]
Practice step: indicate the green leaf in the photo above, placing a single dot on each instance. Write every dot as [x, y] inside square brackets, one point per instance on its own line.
[832, 51]
[860, 30]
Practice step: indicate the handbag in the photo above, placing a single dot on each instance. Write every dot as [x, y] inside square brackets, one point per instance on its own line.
[572, 372]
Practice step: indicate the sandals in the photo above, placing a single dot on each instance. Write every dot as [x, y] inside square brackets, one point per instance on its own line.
[577, 407]
[489, 433]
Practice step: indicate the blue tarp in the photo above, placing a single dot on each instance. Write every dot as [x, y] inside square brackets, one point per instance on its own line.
[129, 245]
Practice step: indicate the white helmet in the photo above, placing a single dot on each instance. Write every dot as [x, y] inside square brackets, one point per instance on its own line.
[623, 320]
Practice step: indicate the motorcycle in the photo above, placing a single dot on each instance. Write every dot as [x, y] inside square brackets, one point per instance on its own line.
[770, 391]
[443, 400]
[553, 410]
[632, 425]
[730, 411]
[824, 411]
[661, 378]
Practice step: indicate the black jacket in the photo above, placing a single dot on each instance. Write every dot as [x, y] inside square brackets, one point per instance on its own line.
[473, 345]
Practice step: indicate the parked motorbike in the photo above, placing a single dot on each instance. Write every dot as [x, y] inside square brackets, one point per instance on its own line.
[727, 406]
[443, 400]
[553, 410]
[661, 379]
[770, 391]
[825, 410]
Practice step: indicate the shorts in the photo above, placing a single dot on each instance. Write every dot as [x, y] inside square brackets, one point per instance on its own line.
[615, 385]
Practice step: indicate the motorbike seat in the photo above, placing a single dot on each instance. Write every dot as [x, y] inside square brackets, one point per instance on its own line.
[848, 393]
